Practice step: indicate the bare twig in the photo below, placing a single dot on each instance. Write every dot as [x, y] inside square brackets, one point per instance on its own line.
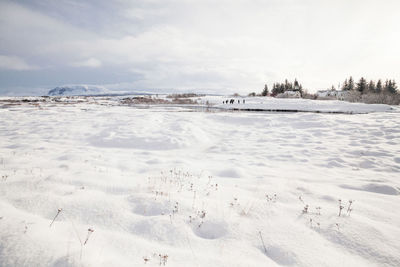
[262, 241]
[349, 209]
[55, 217]
[90, 231]
[340, 207]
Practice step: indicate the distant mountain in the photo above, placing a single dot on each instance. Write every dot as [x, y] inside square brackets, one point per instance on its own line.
[79, 90]
[90, 90]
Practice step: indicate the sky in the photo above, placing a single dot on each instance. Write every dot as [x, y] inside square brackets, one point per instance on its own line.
[219, 46]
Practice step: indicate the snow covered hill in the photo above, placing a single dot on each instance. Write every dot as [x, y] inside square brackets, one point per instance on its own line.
[78, 90]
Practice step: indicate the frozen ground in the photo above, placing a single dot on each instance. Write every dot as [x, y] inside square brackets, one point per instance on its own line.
[203, 188]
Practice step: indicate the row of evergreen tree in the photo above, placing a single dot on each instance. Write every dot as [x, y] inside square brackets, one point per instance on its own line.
[365, 87]
[278, 88]
[362, 86]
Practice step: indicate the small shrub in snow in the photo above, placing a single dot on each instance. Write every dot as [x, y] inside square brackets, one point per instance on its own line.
[234, 202]
[216, 187]
[305, 209]
[146, 260]
[175, 210]
[246, 211]
[163, 259]
[209, 179]
[271, 198]
[318, 210]
[201, 215]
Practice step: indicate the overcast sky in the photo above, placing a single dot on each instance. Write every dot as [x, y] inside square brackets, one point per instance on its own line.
[220, 45]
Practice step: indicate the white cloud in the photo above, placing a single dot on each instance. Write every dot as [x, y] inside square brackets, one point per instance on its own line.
[15, 63]
[239, 44]
[91, 63]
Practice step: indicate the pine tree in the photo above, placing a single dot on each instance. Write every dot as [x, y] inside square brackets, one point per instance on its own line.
[301, 90]
[275, 89]
[296, 85]
[390, 87]
[345, 86]
[282, 88]
[371, 87]
[394, 87]
[351, 84]
[386, 87]
[286, 86]
[362, 85]
[279, 88]
[265, 91]
[379, 87]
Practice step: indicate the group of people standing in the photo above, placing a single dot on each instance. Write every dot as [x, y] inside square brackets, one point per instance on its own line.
[232, 101]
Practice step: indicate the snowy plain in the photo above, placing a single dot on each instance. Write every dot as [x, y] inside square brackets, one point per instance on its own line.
[180, 186]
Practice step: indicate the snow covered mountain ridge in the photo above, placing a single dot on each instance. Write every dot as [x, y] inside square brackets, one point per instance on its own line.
[78, 90]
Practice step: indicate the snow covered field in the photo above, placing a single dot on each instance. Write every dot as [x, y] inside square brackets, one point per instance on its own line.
[300, 105]
[181, 187]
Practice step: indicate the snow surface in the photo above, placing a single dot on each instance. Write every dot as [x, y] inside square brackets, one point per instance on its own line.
[301, 105]
[204, 188]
